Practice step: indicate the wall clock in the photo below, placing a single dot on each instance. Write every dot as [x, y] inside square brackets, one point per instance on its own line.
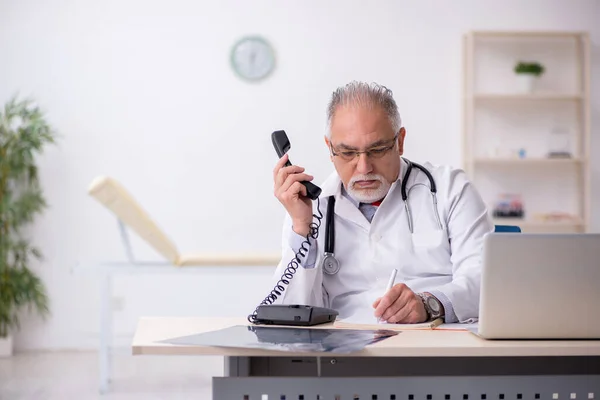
[252, 58]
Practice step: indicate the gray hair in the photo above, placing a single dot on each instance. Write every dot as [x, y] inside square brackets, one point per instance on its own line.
[364, 95]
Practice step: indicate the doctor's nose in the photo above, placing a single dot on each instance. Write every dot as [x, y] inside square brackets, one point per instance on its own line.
[363, 164]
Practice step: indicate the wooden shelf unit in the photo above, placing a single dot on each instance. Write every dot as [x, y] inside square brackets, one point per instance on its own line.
[526, 96]
[507, 132]
[520, 162]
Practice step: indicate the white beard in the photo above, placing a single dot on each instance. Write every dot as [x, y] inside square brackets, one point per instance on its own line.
[368, 195]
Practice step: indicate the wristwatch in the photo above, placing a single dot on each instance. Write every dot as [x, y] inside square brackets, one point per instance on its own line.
[433, 306]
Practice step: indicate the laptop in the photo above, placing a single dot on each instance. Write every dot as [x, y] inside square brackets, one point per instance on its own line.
[540, 286]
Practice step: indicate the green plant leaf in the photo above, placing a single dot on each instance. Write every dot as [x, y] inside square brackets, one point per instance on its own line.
[24, 133]
[533, 68]
[24, 208]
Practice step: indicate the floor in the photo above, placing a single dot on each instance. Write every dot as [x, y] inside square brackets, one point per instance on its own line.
[74, 375]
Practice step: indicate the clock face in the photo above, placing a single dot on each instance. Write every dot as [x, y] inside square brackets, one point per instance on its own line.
[252, 58]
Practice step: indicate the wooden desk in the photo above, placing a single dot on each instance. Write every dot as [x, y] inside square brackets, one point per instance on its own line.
[414, 365]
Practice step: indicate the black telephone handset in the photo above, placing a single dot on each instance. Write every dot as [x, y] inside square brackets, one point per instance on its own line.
[282, 145]
[293, 314]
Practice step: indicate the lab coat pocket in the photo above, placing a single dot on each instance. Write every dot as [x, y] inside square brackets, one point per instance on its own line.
[432, 249]
[428, 240]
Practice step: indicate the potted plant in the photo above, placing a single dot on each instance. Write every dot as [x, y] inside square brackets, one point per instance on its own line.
[23, 133]
[528, 73]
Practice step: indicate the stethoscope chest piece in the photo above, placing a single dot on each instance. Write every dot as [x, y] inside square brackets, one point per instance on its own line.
[331, 265]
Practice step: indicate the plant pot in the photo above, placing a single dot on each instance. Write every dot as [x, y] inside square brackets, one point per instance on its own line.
[6, 346]
[526, 83]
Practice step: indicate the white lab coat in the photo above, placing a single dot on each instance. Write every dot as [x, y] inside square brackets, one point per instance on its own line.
[447, 260]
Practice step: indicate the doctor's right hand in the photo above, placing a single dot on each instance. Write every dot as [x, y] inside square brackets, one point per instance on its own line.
[292, 194]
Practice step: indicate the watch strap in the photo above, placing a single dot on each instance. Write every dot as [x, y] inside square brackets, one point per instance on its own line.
[427, 310]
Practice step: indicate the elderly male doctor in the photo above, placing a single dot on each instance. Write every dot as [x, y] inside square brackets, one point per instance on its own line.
[438, 261]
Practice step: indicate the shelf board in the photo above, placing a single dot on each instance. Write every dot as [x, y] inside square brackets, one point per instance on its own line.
[528, 33]
[527, 96]
[527, 161]
[533, 223]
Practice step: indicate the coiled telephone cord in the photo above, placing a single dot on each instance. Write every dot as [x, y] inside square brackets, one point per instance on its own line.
[293, 265]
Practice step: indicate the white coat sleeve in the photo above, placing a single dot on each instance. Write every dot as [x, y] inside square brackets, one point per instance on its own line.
[306, 285]
[468, 221]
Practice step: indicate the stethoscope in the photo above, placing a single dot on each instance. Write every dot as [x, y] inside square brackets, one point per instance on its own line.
[330, 263]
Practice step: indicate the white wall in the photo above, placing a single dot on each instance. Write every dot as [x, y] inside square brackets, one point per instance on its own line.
[143, 91]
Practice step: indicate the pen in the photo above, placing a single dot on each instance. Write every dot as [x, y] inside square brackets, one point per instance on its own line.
[390, 285]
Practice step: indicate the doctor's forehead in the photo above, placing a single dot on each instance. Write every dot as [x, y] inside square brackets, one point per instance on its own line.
[357, 126]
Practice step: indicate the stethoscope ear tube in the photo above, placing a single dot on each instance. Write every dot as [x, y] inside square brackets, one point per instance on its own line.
[329, 228]
[405, 180]
[432, 188]
[432, 185]
[331, 265]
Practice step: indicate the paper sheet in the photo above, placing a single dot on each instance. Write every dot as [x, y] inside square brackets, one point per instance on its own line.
[366, 320]
[474, 327]
[370, 322]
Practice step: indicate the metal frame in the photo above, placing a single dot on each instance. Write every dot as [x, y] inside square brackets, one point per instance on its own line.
[172, 263]
[559, 387]
[410, 378]
[414, 366]
[106, 326]
[106, 271]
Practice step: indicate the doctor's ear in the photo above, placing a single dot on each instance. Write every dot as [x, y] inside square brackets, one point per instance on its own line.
[328, 147]
[401, 135]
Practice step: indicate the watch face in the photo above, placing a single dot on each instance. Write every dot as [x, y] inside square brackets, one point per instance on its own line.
[433, 305]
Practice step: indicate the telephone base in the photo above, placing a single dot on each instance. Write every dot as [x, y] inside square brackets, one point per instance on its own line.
[294, 315]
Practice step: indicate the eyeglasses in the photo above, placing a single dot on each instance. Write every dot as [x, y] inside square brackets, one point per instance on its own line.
[373, 153]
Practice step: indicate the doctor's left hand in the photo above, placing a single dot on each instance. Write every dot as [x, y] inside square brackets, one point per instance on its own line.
[400, 305]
